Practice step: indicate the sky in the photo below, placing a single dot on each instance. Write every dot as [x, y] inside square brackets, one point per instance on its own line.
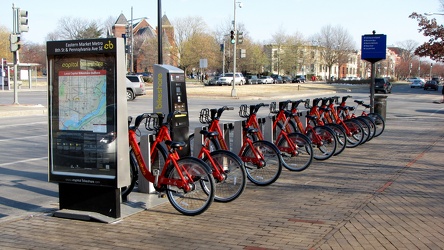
[261, 18]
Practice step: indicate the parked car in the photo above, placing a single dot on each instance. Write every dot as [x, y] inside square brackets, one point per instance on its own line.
[431, 85]
[383, 85]
[213, 81]
[135, 86]
[286, 79]
[227, 79]
[416, 83]
[435, 79]
[299, 79]
[277, 79]
[251, 79]
[265, 80]
[416, 78]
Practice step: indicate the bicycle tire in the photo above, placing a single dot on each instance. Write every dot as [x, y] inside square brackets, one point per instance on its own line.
[270, 172]
[200, 198]
[372, 125]
[235, 175]
[355, 137]
[365, 127]
[341, 137]
[134, 172]
[379, 122]
[324, 149]
[296, 161]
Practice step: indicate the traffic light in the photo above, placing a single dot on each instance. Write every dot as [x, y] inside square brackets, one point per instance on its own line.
[233, 40]
[15, 42]
[222, 47]
[240, 37]
[22, 21]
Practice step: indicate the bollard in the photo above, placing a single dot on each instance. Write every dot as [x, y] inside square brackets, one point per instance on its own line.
[381, 105]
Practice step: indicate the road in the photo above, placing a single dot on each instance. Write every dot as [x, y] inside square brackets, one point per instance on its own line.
[24, 140]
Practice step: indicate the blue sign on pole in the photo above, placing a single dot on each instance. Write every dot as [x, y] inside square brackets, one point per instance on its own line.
[373, 47]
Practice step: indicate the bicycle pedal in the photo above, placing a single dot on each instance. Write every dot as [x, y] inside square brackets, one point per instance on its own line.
[161, 195]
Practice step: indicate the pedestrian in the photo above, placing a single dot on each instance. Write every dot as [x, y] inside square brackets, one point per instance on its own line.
[442, 92]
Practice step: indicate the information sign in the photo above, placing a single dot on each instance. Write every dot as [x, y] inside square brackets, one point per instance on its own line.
[373, 47]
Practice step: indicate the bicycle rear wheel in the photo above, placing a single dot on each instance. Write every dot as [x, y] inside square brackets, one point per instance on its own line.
[201, 196]
[323, 140]
[233, 171]
[297, 160]
[268, 169]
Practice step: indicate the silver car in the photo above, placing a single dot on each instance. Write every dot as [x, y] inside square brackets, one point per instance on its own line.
[135, 86]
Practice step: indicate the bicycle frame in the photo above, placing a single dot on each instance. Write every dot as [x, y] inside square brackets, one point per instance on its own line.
[172, 158]
[205, 152]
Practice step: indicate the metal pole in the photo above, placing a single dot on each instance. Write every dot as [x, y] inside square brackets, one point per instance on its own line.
[159, 31]
[372, 88]
[223, 60]
[132, 43]
[16, 55]
[233, 89]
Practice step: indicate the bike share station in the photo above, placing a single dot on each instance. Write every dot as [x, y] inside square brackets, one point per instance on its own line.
[88, 127]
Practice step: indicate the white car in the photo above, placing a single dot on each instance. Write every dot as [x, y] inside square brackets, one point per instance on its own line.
[227, 79]
[265, 80]
[416, 83]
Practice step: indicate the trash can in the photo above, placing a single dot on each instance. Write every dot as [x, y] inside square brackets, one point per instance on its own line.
[381, 105]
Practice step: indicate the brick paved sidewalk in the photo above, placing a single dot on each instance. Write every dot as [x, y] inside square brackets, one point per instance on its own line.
[385, 194]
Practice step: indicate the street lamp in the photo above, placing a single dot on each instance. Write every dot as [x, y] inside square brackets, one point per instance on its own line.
[233, 90]
[431, 14]
[132, 40]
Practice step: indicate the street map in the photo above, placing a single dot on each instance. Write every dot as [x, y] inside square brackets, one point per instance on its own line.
[82, 100]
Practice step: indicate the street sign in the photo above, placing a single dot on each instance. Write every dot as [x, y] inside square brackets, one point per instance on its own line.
[203, 63]
[373, 47]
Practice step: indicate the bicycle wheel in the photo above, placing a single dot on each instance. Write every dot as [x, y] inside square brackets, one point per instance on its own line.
[379, 122]
[297, 160]
[372, 125]
[365, 128]
[268, 169]
[201, 196]
[323, 141]
[355, 133]
[341, 138]
[134, 167]
[234, 175]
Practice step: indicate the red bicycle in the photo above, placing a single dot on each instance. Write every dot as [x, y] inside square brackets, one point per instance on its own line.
[263, 163]
[187, 181]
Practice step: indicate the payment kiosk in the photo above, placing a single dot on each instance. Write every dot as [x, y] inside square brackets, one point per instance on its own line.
[169, 95]
[88, 124]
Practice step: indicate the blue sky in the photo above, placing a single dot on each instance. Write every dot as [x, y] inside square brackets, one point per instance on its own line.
[262, 18]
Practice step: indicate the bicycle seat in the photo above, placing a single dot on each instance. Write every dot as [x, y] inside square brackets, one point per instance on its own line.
[360, 102]
[208, 134]
[367, 105]
[175, 144]
[312, 117]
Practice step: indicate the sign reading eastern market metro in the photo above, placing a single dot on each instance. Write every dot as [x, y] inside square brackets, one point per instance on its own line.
[373, 47]
[82, 46]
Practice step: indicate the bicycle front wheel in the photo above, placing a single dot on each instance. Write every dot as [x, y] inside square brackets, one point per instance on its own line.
[232, 180]
[263, 163]
[201, 195]
[355, 133]
[379, 122]
[341, 137]
[299, 158]
[323, 140]
[134, 170]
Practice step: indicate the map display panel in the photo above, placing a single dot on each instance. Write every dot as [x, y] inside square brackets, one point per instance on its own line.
[82, 100]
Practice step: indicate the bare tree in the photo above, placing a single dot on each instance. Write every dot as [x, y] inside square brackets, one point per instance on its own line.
[407, 49]
[77, 28]
[278, 41]
[5, 51]
[336, 44]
